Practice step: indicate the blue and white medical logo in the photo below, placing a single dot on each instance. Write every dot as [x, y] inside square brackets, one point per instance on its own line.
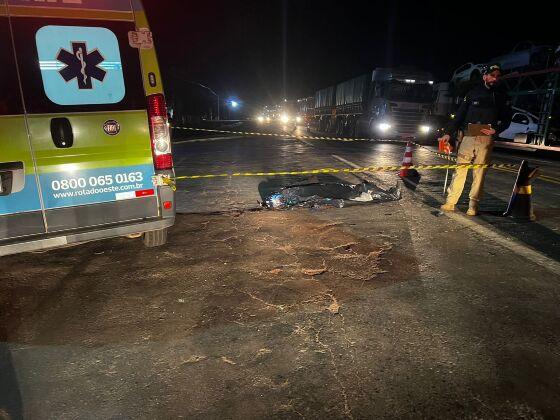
[80, 65]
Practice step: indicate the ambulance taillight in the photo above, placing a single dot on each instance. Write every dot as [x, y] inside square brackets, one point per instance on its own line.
[159, 132]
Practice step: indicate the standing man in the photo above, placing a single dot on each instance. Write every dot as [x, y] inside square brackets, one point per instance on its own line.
[487, 106]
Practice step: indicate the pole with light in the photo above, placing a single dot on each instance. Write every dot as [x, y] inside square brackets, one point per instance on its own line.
[208, 89]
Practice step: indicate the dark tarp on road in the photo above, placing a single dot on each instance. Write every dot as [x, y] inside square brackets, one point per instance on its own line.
[334, 194]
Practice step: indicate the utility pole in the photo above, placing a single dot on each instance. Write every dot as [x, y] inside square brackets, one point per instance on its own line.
[284, 47]
[202, 86]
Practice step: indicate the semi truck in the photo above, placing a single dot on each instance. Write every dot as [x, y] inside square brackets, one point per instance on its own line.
[305, 107]
[388, 102]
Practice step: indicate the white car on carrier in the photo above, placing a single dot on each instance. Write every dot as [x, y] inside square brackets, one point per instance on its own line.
[522, 122]
[467, 72]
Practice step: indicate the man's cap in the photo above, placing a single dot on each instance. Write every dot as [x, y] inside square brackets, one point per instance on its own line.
[492, 68]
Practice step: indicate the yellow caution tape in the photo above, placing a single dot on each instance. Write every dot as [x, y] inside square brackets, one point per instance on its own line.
[170, 182]
[251, 133]
[441, 155]
[507, 167]
[343, 139]
[342, 170]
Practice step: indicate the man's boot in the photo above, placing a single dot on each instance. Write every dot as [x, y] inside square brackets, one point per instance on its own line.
[473, 208]
[448, 207]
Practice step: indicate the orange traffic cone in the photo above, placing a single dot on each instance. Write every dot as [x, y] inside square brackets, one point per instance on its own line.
[407, 161]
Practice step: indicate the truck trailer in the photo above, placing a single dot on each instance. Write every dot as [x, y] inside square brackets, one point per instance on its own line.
[388, 102]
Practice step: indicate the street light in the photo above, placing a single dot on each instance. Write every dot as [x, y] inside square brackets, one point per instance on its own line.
[204, 87]
[213, 93]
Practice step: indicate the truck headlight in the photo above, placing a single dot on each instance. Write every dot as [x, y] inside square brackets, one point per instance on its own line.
[384, 127]
[425, 129]
[284, 118]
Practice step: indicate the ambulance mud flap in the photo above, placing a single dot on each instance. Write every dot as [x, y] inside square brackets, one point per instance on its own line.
[166, 188]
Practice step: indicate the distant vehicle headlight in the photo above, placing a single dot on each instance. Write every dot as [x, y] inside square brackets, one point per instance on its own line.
[260, 119]
[285, 118]
[299, 119]
[425, 129]
[267, 119]
[384, 127]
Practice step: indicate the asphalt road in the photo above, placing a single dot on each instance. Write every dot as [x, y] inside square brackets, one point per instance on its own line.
[228, 154]
[385, 310]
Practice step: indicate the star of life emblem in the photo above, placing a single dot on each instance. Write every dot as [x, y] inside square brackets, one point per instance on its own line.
[82, 65]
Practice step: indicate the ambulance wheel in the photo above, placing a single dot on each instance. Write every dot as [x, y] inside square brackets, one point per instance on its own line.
[155, 238]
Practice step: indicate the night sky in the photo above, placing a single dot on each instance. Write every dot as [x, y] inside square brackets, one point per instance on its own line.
[241, 47]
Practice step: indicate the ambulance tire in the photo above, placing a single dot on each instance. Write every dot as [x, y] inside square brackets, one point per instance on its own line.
[155, 238]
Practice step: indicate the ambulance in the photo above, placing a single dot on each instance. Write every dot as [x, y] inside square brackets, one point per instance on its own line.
[85, 150]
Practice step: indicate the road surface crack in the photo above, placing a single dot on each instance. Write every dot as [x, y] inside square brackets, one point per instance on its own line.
[265, 303]
[347, 409]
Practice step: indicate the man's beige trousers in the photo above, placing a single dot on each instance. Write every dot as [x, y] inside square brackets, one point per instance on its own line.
[477, 150]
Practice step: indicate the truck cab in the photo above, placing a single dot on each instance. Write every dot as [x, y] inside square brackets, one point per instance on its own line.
[400, 104]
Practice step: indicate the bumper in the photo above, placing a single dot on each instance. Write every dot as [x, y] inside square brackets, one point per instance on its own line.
[90, 235]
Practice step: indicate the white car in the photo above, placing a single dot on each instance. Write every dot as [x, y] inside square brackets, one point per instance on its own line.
[467, 72]
[526, 55]
[522, 122]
